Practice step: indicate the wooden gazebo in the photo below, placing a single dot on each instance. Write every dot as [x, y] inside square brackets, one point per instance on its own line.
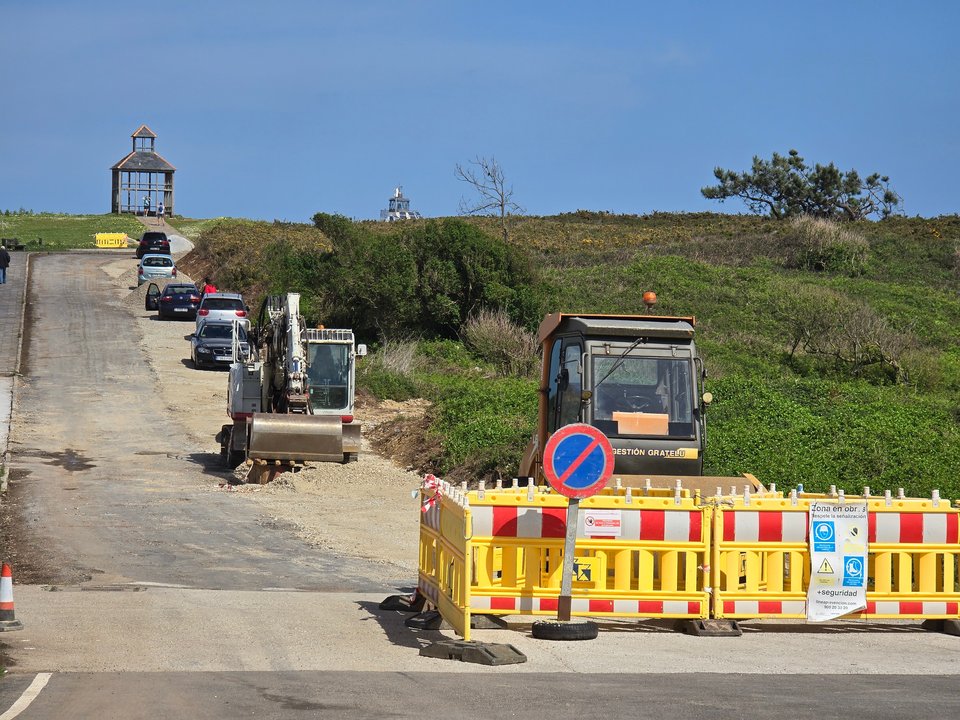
[142, 179]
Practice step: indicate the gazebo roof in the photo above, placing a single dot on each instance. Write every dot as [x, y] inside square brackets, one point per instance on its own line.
[144, 131]
[143, 161]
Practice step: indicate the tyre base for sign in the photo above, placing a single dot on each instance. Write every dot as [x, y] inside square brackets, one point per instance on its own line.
[474, 652]
[709, 628]
[575, 629]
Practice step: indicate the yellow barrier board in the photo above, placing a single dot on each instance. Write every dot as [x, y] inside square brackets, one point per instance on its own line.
[761, 558]
[111, 240]
[635, 556]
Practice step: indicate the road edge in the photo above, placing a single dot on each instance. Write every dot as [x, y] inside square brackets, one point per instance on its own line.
[11, 391]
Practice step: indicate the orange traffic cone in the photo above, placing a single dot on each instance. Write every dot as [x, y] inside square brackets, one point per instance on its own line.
[7, 620]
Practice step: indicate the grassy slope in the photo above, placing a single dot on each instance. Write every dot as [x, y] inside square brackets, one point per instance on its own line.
[63, 232]
[787, 422]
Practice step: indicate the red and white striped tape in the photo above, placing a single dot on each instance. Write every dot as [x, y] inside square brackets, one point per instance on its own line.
[640, 608]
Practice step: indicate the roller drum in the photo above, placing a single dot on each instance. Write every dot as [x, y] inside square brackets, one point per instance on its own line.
[304, 438]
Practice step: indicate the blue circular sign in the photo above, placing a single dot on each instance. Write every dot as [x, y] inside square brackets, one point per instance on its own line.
[578, 460]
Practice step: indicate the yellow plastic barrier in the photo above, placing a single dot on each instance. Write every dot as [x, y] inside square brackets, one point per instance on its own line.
[636, 556]
[761, 558]
[111, 240]
[444, 558]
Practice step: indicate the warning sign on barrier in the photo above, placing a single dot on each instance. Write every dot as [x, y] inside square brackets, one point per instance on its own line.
[838, 556]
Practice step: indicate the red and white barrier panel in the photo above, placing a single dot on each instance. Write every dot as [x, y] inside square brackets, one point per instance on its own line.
[681, 526]
[913, 528]
[747, 526]
[641, 608]
[761, 608]
[757, 608]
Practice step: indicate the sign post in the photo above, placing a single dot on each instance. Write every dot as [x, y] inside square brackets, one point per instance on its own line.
[577, 462]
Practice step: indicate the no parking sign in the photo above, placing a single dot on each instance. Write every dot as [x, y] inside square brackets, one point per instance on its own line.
[578, 460]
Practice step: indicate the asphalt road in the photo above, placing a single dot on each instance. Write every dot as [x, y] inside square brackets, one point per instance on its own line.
[145, 593]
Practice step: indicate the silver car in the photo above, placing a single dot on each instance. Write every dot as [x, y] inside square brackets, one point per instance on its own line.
[152, 267]
[225, 307]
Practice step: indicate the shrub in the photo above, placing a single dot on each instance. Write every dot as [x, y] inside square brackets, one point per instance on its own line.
[424, 278]
[485, 423]
[822, 245]
[388, 372]
[822, 433]
[513, 350]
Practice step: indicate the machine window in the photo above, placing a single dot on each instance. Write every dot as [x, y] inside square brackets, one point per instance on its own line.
[328, 376]
[643, 396]
[570, 385]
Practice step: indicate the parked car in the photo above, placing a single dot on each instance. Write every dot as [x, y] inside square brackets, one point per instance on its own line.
[155, 266]
[178, 300]
[212, 344]
[153, 242]
[223, 306]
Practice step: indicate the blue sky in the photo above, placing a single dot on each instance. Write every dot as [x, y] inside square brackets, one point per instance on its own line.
[277, 110]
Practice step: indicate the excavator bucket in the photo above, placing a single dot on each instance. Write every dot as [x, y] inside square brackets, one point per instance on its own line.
[296, 438]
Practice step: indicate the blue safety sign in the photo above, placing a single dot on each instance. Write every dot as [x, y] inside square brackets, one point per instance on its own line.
[853, 571]
[824, 536]
[578, 460]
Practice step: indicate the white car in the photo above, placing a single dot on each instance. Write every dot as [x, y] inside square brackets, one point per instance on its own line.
[225, 307]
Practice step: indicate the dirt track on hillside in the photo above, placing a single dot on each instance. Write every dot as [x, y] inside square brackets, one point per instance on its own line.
[364, 509]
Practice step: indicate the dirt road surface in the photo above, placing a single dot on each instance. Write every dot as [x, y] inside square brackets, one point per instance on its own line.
[139, 564]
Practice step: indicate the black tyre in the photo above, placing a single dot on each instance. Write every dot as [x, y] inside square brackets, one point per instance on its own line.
[557, 630]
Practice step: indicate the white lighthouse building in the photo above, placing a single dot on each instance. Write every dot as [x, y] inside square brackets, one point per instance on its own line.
[398, 208]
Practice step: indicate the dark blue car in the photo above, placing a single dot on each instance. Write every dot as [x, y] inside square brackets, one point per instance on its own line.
[178, 300]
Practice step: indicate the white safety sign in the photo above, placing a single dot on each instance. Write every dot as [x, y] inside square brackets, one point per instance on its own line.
[838, 559]
[602, 523]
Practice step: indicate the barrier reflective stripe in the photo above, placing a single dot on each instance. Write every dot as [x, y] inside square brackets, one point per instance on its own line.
[913, 528]
[760, 608]
[771, 526]
[550, 522]
[514, 521]
[926, 609]
[535, 605]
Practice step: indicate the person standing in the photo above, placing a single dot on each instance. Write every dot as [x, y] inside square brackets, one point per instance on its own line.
[4, 263]
[207, 287]
[146, 205]
[160, 213]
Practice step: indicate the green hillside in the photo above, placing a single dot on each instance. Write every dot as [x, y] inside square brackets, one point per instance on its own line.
[832, 350]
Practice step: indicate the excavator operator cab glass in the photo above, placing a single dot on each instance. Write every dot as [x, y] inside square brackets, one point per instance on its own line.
[328, 376]
[643, 396]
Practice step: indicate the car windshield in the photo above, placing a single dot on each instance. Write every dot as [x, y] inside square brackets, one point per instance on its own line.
[210, 331]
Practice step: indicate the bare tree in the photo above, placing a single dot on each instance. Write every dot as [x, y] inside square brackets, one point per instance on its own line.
[495, 197]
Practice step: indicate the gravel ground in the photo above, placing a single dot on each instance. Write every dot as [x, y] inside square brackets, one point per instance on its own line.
[364, 509]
